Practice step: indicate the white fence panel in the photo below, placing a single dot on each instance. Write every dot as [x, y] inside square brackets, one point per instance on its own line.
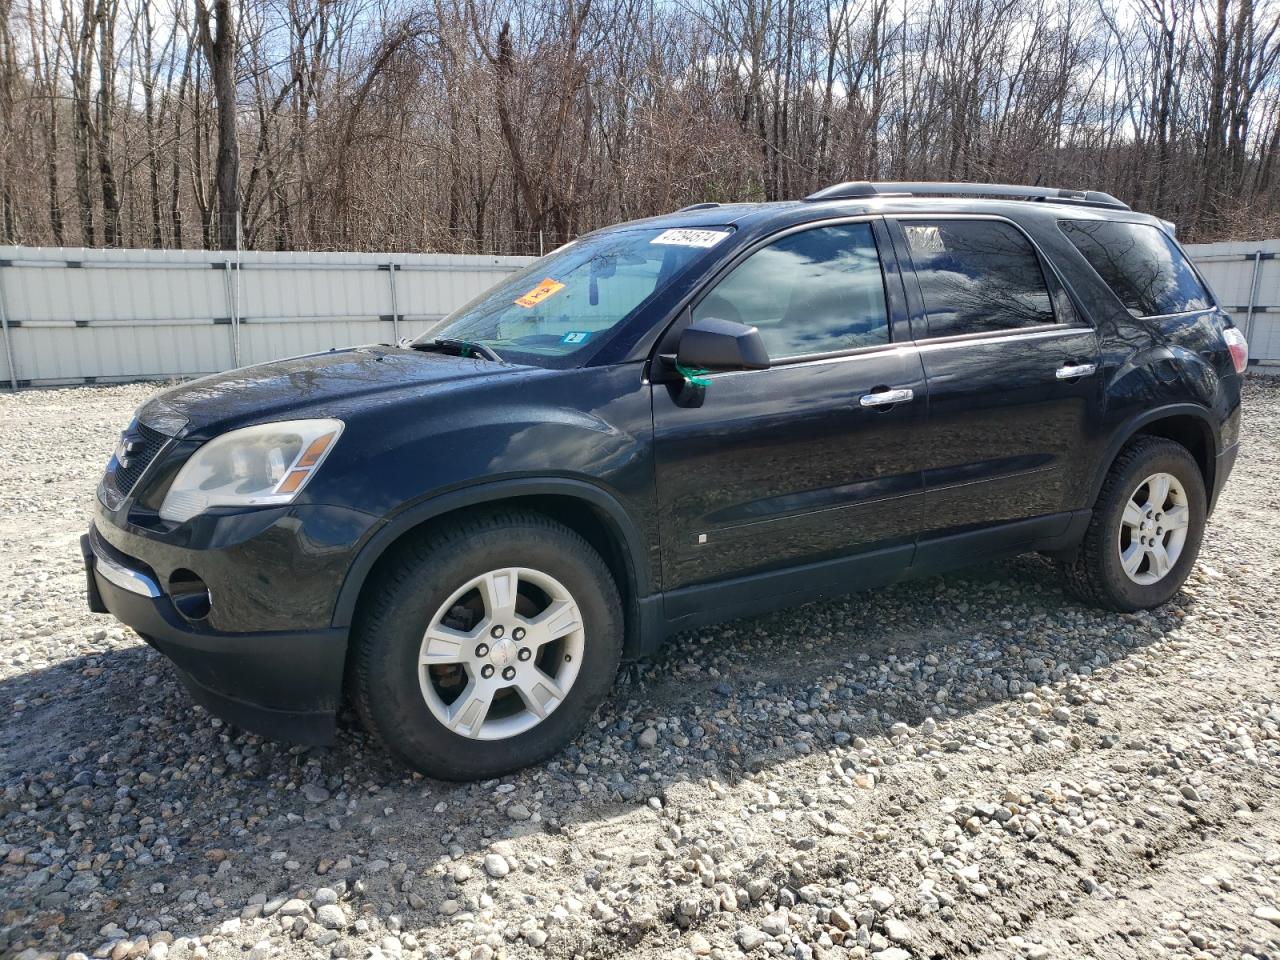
[262, 341]
[54, 353]
[1246, 278]
[72, 316]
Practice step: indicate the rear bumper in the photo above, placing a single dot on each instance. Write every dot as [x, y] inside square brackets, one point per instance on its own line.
[1226, 461]
[279, 684]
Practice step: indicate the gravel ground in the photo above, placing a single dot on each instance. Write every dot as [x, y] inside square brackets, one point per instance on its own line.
[969, 765]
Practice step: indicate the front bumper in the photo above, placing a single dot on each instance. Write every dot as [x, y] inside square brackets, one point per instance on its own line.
[279, 684]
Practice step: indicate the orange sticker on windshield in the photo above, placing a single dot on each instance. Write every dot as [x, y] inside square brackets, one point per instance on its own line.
[539, 293]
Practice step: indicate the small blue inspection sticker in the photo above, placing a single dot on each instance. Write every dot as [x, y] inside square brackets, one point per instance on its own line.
[575, 336]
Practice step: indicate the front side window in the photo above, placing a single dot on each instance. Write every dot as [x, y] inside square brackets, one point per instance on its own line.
[816, 291]
[561, 306]
[1141, 265]
[977, 276]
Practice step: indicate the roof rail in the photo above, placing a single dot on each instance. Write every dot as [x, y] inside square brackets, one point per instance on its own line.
[862, 189]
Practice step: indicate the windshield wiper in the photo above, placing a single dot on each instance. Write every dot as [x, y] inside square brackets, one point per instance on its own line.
[465, 348]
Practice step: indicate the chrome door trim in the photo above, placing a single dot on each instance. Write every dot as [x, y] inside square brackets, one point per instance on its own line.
[919, 346]
[1001, 336]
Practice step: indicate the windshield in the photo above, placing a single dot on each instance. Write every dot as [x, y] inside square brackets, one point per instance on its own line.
[566, 302]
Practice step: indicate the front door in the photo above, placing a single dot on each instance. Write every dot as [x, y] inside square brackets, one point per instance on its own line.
[1012, 379]
[798, 463]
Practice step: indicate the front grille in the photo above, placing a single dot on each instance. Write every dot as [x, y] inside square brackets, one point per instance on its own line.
[134, 464]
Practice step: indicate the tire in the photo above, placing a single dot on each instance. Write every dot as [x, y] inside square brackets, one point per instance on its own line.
[1097, 573]
[408, 706]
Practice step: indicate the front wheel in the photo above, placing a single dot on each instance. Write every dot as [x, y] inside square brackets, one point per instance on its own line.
[1146, 528]
[486, 645]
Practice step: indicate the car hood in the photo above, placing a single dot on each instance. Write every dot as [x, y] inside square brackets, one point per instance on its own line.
[317, 385]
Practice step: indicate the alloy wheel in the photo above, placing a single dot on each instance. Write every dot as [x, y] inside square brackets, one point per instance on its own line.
[1153, 528]
[501, 653]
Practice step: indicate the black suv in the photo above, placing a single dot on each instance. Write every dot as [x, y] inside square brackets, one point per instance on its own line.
[664, 424]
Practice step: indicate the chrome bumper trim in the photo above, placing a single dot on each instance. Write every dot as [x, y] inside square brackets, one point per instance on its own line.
[122, 576]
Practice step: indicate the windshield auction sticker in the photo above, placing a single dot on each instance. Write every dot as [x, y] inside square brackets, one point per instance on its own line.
[539, 293]
[690, 238]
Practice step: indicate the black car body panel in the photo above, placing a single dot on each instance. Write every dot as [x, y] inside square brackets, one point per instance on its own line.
[777, 486]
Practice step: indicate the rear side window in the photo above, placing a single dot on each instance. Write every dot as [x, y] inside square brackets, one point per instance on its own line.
[977, 276]
[1141, 265]
[817, 291]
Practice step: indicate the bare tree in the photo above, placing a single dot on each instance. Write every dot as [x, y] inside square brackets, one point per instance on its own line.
[217, 30]
[471, 125]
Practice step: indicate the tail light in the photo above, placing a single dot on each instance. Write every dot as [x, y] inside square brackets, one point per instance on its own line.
[1238, 346]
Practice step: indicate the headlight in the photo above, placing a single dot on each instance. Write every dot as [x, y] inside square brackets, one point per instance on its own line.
[266, 464]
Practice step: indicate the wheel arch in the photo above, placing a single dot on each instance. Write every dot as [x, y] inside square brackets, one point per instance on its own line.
[1187, 424]
[585, 508]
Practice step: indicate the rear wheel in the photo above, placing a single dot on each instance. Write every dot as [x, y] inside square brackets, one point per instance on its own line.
[486, 645]
[1146, 529]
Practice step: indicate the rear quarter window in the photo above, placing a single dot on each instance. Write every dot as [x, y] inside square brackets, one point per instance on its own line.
[977, 276]
[1141, 264]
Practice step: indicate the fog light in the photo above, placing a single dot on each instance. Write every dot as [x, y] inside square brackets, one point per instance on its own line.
[190, 594]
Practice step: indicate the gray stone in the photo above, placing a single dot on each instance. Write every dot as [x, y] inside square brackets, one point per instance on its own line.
[881, 898]
[897, 931]
[324, 896]
[749, 938]
[776, 924]
[331, 915]
[292, 908]
[315, 793]
[496, 866]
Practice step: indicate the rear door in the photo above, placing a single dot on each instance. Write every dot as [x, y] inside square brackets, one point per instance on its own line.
[798, 463]
[1012, 375]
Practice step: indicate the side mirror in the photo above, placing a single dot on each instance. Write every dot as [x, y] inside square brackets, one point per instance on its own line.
[715, 344]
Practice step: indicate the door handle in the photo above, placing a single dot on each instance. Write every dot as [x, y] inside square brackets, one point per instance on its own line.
[887, 398]
[1073, 371]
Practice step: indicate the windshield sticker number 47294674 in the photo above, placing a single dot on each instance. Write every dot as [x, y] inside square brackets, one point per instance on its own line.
[684, 237]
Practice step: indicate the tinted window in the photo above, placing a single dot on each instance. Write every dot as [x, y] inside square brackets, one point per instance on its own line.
[1141, 265]
[817, 291]
[976, 276]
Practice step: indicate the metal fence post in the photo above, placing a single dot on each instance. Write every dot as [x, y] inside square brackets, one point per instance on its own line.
[233, 309]
[4, 325]
[1253, 293]
[239, 274]
[395, 303]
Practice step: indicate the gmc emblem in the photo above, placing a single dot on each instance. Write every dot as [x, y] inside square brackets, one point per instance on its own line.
[126, 448]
